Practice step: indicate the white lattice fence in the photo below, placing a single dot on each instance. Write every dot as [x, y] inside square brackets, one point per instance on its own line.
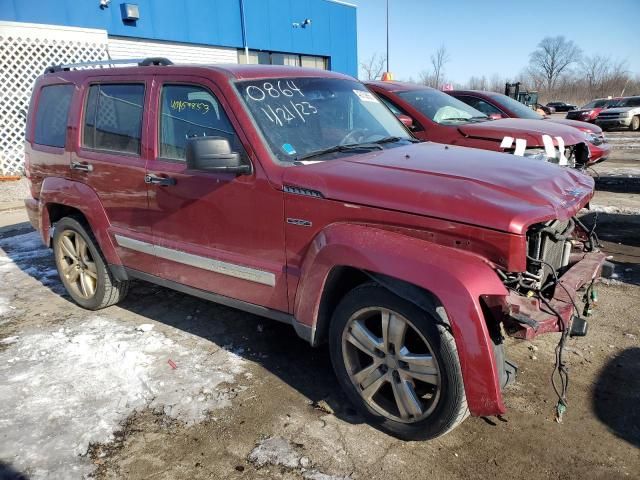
[25, 51]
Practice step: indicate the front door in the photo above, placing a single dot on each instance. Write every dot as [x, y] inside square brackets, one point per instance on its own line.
[213, 231]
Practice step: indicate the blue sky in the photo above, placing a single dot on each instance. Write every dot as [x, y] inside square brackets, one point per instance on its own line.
[494, 36]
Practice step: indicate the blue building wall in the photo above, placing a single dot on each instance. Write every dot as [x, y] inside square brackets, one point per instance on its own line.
[332, 32]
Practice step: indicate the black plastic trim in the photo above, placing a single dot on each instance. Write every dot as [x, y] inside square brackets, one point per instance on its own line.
[119, 272]
[302, 330]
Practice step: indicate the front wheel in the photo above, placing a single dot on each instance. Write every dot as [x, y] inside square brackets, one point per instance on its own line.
[397, 363]
[635, 123]
[81, 267]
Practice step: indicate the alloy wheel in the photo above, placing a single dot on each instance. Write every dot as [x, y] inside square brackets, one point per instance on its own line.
[76, 264]
[391, 364]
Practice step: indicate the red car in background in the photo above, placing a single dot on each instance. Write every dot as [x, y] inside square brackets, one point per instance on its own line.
[590, 111]
[497, 105]
[435, 116]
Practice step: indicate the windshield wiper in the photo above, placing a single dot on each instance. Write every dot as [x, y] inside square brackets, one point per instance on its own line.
[456, 119]
[340, 148]
[395, 139]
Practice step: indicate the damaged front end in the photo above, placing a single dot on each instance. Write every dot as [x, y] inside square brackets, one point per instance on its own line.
[563, 263]
[574, 156]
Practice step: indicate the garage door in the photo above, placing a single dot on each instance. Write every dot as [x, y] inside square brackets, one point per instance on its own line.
[123, 48]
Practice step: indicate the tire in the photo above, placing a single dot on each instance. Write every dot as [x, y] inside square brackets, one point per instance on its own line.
[635, 123]
[85, 276]
[403, 405]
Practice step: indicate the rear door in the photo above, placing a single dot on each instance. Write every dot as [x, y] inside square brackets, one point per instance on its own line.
[111, 154]
[213, 231]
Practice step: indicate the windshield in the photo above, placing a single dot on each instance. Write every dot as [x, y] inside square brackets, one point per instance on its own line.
[596, 104]
[440, 107]
[520, 110]
[629, 102]
[303, 117]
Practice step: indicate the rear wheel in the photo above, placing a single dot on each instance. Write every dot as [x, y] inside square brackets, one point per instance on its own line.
[635, 123]
[81, 267]
[397, 363]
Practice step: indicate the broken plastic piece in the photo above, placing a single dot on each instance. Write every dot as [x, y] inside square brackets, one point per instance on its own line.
[172, 364]
[560, 409]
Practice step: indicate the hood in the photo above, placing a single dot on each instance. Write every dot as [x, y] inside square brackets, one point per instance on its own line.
[619, 109]
[530, 130]
[465, 185]
[584, 126]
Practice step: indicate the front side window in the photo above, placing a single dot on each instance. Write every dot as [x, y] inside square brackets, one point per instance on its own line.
[51, 115]
[188, 111]
[596, 104]
[303, 116]
[440, 107]
[113, 117]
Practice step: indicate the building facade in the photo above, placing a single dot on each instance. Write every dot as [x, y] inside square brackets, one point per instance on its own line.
[37, 33]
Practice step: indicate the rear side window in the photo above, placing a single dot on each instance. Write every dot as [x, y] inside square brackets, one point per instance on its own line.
[113, 117]
[51, 115]
[191, 111]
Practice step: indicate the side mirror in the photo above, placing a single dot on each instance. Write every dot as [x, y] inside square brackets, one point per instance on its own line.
[406, 120]
[213, 154]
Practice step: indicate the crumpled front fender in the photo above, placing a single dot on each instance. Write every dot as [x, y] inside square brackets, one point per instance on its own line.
[457, 278]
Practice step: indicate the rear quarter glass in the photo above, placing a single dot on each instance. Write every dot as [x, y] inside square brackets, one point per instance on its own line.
[51, 115]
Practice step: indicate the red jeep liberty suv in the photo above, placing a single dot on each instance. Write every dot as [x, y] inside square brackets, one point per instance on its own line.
[297, 195]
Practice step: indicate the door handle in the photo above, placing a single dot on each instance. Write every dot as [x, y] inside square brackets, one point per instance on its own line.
[81, 166]
[158, 180]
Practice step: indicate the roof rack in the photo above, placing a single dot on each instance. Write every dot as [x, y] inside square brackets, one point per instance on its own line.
[142, 62]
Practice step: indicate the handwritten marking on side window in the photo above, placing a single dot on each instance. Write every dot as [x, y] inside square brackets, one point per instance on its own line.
[181, 105]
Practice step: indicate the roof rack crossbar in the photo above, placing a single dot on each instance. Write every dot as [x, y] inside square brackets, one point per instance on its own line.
[142, 62]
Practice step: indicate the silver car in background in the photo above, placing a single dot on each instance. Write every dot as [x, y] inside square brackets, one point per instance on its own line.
[626, 114]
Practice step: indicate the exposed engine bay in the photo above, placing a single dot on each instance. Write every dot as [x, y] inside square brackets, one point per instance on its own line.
[550, 247]
[563, 261]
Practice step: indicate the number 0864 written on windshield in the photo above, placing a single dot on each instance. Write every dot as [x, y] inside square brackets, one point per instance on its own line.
[298, 116]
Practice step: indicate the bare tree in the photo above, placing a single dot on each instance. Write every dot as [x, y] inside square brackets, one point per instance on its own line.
[426, 78]
[373, 67]
[438, 60]
[496, 83]
[478, 83]
[552, 59]
[604, 76]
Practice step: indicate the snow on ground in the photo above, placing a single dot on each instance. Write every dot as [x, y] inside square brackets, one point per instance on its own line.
[278, 451]
[65, 387]
[614, 209]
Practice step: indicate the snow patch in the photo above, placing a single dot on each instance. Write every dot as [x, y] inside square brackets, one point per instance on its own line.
[316, 475]
[613, 209]
[22, 248]
[4, 306]
[275, 451]
[64, 389]
[27, 242]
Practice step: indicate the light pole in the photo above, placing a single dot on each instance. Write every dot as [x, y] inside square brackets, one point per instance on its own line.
[387, 35]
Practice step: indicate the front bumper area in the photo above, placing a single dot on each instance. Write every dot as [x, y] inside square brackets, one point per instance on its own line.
[613, 122]
[527, 317]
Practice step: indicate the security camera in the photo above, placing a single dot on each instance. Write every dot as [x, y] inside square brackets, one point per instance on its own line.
[104, 3]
